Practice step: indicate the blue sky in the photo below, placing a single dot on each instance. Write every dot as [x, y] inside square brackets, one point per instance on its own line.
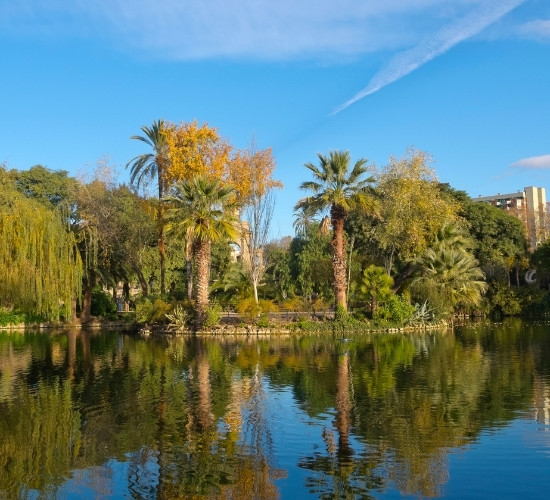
[466, 80]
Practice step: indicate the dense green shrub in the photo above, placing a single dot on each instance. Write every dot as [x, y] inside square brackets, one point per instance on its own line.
[503, 300]
[149, 311]
[18, 318]
[251, 311]
[103, 303]
[395, 311]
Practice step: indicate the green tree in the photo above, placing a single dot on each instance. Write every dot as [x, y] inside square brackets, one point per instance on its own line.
[376, 285]
[310, 264]
[206, 209]
[279, 280]
[497, 255]
[337, 189]
[540, 259]
[153, 166]
[40, 268]
[412, 210]
[52, 188]
[134, 234]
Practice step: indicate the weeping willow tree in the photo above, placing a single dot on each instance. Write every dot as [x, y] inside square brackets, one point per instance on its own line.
[40, 267]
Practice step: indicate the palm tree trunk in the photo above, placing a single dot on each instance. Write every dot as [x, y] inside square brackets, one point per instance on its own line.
[338, 217]
[162, 248]
[162, 254]
[189, 265]
[202, 252]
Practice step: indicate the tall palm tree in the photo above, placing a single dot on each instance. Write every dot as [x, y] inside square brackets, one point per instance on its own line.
[204, 209]
[337, 189]
[152, 166]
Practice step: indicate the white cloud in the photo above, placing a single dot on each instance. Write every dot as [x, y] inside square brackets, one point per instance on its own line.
[537, 30]
[260, 29]
[443, 40]
[533, 163]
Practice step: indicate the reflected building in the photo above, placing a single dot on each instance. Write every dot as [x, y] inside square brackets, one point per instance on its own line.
[541, 400]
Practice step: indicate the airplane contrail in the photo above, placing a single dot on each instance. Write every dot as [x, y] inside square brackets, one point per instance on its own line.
[447, 37]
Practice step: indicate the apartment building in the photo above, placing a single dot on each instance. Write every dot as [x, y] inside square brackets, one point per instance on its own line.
[529, 206]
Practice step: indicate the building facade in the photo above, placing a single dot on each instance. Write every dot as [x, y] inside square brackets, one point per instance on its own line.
[529, 206]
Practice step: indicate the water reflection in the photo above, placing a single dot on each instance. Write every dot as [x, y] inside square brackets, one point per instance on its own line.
[99, 414]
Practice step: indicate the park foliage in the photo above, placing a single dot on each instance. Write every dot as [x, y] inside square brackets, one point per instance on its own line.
[389, 246]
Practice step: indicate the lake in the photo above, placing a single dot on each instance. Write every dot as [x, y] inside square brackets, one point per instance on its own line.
[462, 413]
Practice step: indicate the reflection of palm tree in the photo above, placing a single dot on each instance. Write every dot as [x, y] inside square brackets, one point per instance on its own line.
[336, 188]
[153, 166]
[343, 410]
[205, 416]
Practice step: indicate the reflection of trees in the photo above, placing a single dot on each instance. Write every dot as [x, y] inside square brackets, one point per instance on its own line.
[339, 472]
[192, 417]
[255, 466]
[40, 439]
[13, 362]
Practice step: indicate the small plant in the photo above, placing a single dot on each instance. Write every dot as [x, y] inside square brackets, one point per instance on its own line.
[295, 304]
[213, 316]
[342, 316]
[422, 314]
[179, 317]
[248, 309]
[263, 322]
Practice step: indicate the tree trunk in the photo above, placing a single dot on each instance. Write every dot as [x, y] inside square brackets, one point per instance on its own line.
[86, 315]
[162, 254]
[162, 248]
[72, 318]
[338, 217]
[202, 253]
[142, 281]
[255, 287]
[189, 266]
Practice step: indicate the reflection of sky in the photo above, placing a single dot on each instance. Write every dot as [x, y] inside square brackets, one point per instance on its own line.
[512, 462]
[505, 461]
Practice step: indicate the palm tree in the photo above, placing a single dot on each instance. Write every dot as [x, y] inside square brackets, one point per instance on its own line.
[376, 285]
[336, 188]
[151, 166]
[204, 209]
[302, 222]
[454, 275]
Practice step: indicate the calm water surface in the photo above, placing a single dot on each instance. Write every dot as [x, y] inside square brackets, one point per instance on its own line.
[463, 414]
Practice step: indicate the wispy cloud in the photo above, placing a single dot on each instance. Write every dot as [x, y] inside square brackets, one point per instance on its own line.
[538, 30]
[533, 163]
[257, 29]
[443, 40]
